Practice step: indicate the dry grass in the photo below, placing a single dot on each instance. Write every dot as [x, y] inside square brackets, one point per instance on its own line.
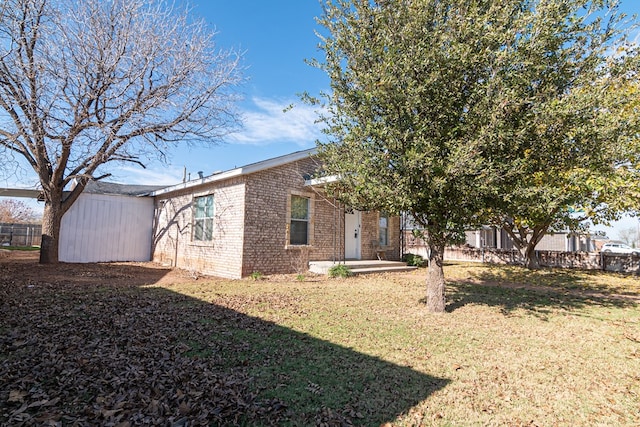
[515, 348]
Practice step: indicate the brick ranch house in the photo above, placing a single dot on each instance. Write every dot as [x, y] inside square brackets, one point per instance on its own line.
[266, 217]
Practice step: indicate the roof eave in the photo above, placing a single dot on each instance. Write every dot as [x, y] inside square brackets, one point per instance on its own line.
[322, 181]
[244, 170]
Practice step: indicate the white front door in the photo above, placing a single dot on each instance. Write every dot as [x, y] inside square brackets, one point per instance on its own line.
[352, 234]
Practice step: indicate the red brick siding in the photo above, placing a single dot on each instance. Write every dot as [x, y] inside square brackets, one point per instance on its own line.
[329, 230]
[251, 226]
[371, 234]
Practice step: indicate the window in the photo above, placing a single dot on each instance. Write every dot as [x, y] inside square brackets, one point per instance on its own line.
[383, 230]
[299, 226]
[203, 219]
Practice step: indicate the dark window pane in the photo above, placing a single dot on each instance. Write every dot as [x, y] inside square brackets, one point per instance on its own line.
[383, 235]
[208, 229]
[383, 240]
[199, 208]
[203, 218]
[198, 231]
[209, 207]
[298, 232]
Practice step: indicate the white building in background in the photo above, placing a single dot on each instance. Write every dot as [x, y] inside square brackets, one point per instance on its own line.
[498, 238]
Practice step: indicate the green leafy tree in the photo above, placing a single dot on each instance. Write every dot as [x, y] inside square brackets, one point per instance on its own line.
[563, 129]
[411, 84]
[427, 97]
[88, 83]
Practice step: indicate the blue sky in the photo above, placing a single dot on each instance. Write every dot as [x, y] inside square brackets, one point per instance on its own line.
[275, 38]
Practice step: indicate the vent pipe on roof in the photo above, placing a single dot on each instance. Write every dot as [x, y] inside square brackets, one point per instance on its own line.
[201, 174]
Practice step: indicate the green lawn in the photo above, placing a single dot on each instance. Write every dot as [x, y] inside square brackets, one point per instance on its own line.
[20, 248]
[515, 348]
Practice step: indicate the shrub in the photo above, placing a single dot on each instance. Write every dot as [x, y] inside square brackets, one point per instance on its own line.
[413, 260]
[256, 275]
[340, 270]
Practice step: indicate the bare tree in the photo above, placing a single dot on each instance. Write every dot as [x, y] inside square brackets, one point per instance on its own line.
[16, 211]
[629, 236]
[85, 83]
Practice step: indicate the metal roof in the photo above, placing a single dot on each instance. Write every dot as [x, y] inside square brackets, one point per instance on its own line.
[243, 170]
[93, 187]
[102, 187]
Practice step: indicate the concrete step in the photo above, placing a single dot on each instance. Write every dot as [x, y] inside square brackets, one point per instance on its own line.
[361, 266]
[372, 270]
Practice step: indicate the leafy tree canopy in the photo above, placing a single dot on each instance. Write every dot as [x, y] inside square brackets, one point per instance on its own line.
[563, 130]
[438, 108]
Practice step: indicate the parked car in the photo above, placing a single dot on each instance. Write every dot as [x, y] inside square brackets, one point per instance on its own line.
[619, 248]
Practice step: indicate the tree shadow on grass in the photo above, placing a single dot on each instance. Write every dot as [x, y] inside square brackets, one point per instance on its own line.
[84, 351]
[539, 292]
[559, 278]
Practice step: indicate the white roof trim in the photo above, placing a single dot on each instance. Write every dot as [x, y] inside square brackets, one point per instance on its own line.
[20, 192]
[322, 180]
[243, 170]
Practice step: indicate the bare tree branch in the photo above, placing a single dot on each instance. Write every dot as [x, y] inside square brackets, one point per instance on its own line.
[85, 83]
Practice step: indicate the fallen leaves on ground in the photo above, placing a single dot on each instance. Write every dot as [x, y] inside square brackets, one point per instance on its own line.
[87, 345]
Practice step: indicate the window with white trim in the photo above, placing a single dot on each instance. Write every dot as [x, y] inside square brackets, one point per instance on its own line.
[203, 212]
[299, 223]
[383, 229]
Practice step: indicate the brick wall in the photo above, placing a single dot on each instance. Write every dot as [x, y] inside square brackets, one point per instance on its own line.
[328, 230]
[251, 231]
[370, 236]
[393, 250]
[173, 244]
[267, 200]
[267, 248]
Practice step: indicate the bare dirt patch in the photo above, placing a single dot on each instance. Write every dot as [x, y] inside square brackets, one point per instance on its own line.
[24, 265]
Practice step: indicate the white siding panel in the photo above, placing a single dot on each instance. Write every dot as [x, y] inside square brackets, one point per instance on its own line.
[102, 228]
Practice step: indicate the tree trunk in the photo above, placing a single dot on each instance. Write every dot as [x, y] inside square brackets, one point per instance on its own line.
[435, 279]
[530, 259]
[51, 219]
